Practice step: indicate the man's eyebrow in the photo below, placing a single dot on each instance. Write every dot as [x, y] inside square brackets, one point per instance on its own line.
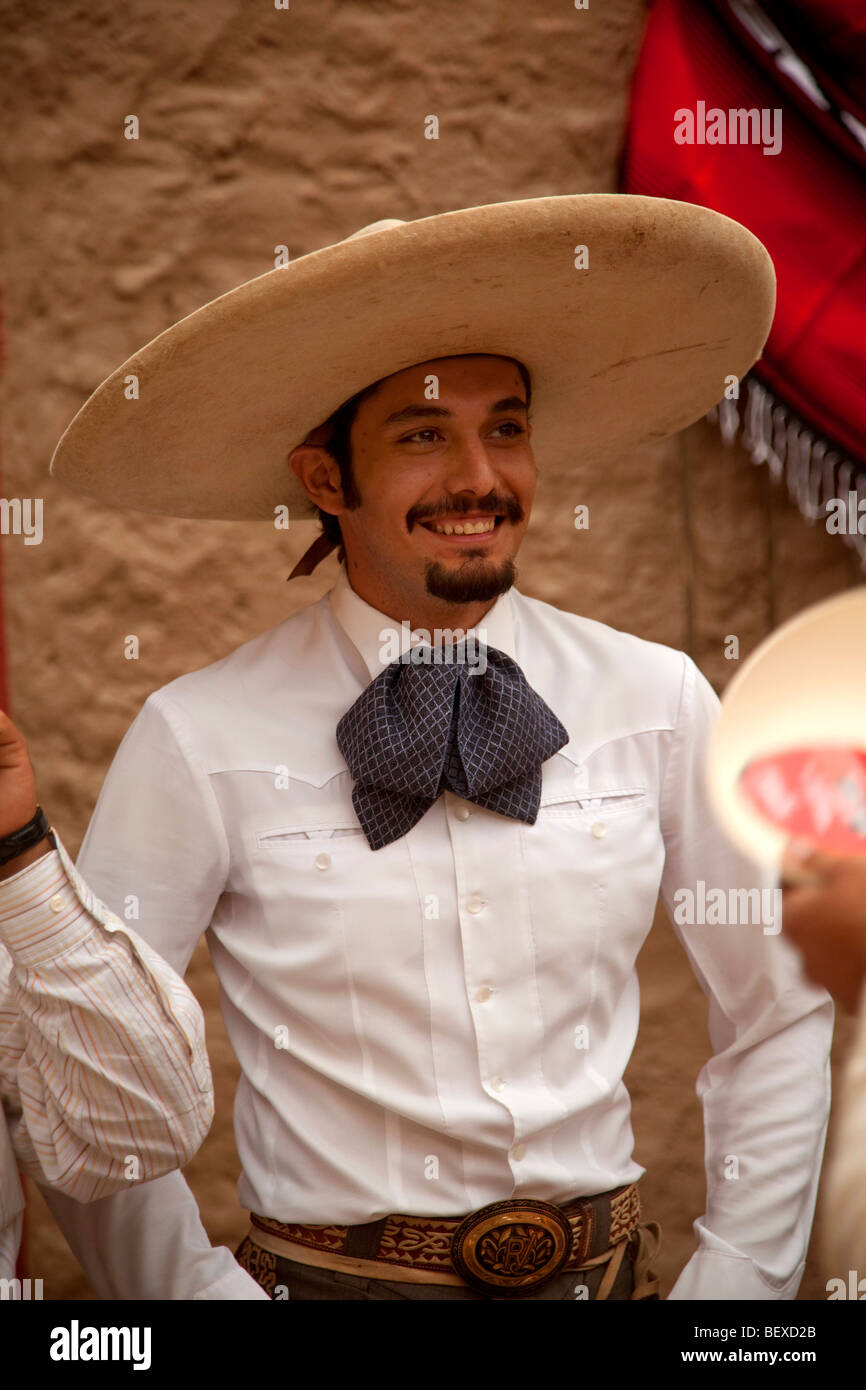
[417, 412]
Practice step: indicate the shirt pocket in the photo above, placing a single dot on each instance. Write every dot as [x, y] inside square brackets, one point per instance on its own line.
[320, 890]
[308, 826]
[596, 804]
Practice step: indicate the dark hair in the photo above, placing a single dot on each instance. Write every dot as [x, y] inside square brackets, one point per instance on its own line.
[339, 446]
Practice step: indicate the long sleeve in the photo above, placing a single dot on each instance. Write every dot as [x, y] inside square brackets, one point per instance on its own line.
[103, 1068]
[11, 1202]
[844, 1204]
[102, 1045]
[766, 1090]
[149, 1243]
[154, 843]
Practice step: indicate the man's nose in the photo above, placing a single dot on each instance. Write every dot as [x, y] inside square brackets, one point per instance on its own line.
[468, 468]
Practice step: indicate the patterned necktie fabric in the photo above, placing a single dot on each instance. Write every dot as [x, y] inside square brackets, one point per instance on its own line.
[476, 728]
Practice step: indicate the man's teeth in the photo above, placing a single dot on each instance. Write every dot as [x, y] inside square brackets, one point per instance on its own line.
[466, 528]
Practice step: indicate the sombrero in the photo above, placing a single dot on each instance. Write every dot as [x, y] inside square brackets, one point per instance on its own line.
[629, 339]
[787, 754]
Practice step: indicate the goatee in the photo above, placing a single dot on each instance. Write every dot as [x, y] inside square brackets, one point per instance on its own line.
[471, 583]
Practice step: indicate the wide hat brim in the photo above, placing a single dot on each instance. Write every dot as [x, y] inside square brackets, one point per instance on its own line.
[675, 300]
[801, 688]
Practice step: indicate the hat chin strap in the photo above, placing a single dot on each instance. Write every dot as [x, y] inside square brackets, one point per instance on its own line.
[312, 556]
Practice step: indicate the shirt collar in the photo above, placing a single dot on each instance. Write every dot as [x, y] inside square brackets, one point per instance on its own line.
[370, 630]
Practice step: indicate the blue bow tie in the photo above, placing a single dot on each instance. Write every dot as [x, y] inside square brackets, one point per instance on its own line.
[424, 726]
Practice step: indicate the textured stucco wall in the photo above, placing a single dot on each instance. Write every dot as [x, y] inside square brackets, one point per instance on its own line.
[261, 127]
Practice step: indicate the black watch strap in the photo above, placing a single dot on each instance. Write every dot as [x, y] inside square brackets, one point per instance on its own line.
[29, 835]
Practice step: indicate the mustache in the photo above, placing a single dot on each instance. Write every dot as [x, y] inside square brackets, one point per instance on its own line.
[491, 505]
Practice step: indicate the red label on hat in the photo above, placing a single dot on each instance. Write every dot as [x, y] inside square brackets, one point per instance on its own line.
[816, 793]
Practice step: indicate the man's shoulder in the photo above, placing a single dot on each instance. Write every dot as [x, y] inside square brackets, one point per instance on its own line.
[595, 647]
[272, 658]
[275, 699]
[604, 684]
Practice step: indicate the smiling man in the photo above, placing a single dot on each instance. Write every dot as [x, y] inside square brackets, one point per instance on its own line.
[433, 495]
[425, 884]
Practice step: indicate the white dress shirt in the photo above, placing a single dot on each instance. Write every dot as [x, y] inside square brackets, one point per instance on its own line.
[104, 1075]
[445, 1022]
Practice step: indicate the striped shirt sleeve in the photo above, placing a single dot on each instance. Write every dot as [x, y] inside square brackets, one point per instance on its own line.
[104, 1073]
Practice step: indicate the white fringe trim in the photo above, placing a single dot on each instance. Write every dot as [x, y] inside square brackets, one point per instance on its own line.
[814, 471]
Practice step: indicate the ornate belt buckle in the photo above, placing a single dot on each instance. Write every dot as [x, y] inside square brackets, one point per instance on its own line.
[513, 1247]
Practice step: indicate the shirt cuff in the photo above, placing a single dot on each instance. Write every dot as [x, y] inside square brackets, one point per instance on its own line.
[235, 1283]
[710, 1274]
[42, 910]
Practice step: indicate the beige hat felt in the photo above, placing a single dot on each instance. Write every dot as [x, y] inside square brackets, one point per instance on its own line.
[632, 339]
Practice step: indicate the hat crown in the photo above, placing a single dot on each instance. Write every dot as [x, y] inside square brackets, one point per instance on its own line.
[382, 225]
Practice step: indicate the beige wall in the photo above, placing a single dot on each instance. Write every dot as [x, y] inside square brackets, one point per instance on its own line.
[261, 127]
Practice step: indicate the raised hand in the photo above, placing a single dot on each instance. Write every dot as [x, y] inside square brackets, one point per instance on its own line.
[18, 801]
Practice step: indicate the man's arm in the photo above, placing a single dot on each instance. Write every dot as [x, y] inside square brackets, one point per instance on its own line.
[825, 919]
[766, 1090]
[844, 1206]
[149, 1243]
[102, 1050]
[155, 848]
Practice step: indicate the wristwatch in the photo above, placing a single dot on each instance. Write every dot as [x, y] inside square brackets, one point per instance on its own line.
[29, 835]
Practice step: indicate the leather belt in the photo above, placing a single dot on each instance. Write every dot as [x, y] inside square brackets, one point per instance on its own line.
[506, 1248]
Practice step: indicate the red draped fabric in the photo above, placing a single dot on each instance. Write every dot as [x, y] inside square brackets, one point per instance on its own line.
[806, 203]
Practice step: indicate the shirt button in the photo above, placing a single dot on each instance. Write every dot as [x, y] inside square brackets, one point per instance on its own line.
[475, 903]
[519, 1151]
[599, 829]
[56, 903]
[497, 1083]
[462, 813]
[483, 994]
[323, 861]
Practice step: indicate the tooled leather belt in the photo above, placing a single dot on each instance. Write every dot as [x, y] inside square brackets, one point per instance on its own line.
[505, 1248]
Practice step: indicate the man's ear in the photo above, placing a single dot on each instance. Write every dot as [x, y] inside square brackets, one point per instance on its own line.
[319, 474]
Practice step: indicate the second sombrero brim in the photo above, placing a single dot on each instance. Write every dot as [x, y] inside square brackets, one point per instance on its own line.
[675, 300]
[800, 689]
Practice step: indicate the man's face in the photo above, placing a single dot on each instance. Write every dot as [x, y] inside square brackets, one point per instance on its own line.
[427, 470]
